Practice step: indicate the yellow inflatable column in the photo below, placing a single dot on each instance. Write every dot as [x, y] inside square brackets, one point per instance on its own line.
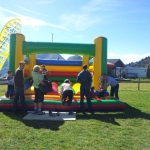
[26, 70]
[19, 56]
[85, 60]
[100, 60]
[32, 63]
[97, 62]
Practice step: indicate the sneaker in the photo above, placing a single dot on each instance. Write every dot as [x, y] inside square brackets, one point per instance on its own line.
[15, 111]
[70, 113]
[57, 114]
[40, 113]
[35, 111]
[52, 115]
[92, 112]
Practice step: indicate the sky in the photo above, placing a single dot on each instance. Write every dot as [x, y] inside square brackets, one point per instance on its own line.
[125, 23]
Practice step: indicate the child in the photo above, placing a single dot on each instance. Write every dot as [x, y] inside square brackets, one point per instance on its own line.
[10, 88]
[66, 91]
[44, 71]
[48, 84]
[93, 92]
[103, 92]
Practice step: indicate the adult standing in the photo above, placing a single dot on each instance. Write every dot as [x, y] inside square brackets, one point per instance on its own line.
[19, 87]
[39, 95]
[113, 83]
[85, 79]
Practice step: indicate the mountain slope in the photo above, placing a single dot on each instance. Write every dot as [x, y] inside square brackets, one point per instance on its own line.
[142, 63]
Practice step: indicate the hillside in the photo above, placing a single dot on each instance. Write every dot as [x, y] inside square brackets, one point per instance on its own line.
[142, 63]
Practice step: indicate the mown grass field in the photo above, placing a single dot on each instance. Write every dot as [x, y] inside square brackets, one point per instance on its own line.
[128, 130]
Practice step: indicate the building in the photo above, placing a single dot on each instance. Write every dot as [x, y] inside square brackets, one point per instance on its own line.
[118, 65]
[136, 72]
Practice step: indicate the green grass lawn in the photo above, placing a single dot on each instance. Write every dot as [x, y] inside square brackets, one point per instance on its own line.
[128, 130]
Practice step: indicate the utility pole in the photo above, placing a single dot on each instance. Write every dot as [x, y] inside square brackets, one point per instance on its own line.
[52, 37]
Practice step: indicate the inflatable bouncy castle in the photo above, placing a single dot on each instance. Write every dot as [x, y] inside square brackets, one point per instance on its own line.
[60, 70]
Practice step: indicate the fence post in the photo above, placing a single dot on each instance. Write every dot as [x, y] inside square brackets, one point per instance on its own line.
[139, 84]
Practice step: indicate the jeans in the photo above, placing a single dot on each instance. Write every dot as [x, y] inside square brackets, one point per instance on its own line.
[39, 95]
[10, 91]
[114, 90]
[86, 92]
[69, 94]
[19, 92]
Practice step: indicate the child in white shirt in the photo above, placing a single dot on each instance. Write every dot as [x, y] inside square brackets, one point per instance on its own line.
[66, 91]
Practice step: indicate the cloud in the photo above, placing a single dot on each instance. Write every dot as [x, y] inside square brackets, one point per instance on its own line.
[45, 1]
[29, 21]
[85, 18]
[30, 10]
[34, 23]
[101, 5]
[3, 18]
[109, 9]
[78, 21]
[127, 58]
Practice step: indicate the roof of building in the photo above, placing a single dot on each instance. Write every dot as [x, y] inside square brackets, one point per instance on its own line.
[116, 62]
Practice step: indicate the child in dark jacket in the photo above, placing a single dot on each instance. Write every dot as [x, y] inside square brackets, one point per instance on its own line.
[10, 87]
[44, 72]
[92, 92]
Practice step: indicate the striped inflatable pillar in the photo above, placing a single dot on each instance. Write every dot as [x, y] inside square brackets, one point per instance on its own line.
[85, 60]
[16, 55]
[32, 59]
[26, 70]
[100, 60]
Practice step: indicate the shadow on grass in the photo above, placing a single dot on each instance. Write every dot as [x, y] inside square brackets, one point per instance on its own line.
[110, 117]
[37, 124]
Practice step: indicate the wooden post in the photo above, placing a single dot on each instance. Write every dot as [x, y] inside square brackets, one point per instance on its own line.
[139, 84]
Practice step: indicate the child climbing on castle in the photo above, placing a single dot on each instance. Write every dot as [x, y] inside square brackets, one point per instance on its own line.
[93, 92]
[102, 91]
[103, 88]
[10, 87]
[66, 91]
